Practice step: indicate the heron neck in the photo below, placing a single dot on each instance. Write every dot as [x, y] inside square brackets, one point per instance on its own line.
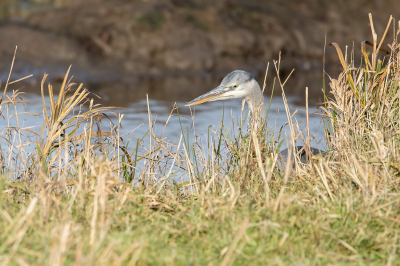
[255, 102]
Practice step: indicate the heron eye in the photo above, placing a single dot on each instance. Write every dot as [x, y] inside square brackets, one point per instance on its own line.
[234, 86]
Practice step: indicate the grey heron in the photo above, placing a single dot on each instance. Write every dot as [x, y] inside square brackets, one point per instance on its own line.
[241, 84]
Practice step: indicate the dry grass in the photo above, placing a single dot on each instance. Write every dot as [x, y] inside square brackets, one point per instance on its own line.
[72, 193]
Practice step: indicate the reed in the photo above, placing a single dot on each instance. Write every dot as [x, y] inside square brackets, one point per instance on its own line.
[73, 191]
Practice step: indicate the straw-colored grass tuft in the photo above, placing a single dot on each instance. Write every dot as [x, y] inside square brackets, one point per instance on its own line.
[74, 190]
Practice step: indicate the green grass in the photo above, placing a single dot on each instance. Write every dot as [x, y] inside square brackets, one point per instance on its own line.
[302, 230]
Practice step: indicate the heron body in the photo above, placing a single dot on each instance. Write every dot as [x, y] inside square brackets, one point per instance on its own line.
[241, 84]
[301, 152]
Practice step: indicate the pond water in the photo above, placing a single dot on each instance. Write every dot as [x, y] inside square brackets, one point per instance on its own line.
[164, 93]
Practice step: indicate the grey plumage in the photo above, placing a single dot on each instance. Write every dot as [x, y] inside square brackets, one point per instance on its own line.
[301, 151]
[241, 84]
[236, 77]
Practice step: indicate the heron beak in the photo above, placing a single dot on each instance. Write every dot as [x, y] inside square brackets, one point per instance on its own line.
[210, 96]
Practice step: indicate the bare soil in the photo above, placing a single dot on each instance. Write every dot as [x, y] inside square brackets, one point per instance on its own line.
[175, 37]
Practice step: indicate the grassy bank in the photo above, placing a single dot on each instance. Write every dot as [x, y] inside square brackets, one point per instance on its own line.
[74, 191]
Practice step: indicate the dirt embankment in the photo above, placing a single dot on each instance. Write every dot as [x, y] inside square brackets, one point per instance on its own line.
[159, 37]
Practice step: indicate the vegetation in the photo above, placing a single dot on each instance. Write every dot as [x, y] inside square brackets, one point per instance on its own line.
[72, 193]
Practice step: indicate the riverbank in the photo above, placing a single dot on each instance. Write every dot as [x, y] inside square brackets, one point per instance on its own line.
[161, 38]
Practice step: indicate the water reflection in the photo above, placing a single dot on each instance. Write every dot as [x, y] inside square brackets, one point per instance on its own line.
[163, 93]
[183, 89]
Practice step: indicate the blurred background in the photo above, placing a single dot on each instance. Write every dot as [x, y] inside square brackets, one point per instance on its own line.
[176, 50]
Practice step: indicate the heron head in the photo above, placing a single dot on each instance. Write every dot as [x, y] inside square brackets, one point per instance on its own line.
[237, 84]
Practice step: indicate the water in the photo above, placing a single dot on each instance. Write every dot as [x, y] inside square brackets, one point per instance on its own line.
[163, 94]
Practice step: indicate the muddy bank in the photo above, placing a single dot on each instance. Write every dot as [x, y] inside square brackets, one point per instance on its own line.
[187, 37]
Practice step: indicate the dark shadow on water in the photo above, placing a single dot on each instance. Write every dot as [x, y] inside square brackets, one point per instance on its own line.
[123, 92]
[163, 93]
